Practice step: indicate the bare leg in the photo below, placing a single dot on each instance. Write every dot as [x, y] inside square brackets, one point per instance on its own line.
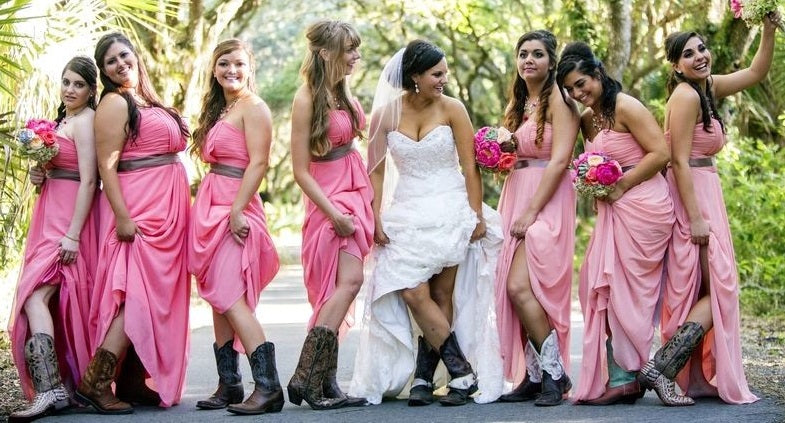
[441, 290]
[245, 325]
[528, 309]
[701, 311]
[222, 328]
[39, 318]
[348, 283]
[116, 341]
[435, 326]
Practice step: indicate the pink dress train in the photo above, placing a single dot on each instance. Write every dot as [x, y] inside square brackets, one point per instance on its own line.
[70, 306]
[622, 272]
[550, 244]
[225, 270]
[149, 275]
[721, 353]
[346, 184]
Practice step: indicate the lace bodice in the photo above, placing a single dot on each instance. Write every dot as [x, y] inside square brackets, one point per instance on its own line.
[431, 157]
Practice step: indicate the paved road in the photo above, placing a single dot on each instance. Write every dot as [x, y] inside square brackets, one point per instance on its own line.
[284, 312]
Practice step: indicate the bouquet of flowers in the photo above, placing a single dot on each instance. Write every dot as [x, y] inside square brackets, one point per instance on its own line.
[494, 149]
[754, 11]
[594, 174]
[37, 140]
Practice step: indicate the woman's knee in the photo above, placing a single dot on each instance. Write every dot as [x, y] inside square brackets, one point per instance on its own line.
[441, 296]
[414, 297]
[519, 292]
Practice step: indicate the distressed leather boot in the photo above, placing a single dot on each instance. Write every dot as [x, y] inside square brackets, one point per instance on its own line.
[50, 394]
[330, 387]
[267, 396]
[230, 382]
[96, 386]
[659, 372]
[307, 383]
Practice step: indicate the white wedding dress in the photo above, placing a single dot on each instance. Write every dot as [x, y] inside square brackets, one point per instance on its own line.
[429, 223]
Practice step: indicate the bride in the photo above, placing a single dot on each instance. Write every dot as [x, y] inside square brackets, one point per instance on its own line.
[436, 244]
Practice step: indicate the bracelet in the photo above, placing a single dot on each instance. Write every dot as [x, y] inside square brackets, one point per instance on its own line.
[72, 239]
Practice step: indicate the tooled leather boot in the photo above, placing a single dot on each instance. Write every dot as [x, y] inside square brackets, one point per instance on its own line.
[96, 386]
[421, 392]
[463, 380]
[230, 383]
[531, 386]
[50, 394]
[267, 396]
[130, 384]
[330, 388]
[659, 372]
[308, 380]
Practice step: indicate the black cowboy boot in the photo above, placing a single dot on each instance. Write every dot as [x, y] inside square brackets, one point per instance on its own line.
[267, 396]
[531, 386]
[421, 392]
[464, 381]
[555, 382]
[330, 388]
[130, 383]
[230, 382]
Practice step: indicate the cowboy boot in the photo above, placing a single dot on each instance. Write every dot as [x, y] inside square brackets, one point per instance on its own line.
[267, 396]
[50, 394]
[421, 392]
[659, 372]
[308, 379]
[130, 383]
[230, 382]
[463, 380]
[96, 386]
[622, 386]
[555, 382]
[531, 386]
[330, 387]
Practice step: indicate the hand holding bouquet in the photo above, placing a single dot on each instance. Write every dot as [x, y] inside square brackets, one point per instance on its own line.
[755, 11]
[38, 141]
[494, 149]
[594, 174]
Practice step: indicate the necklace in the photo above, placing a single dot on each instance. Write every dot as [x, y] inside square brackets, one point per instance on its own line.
[529, 108]
[336, 100]
[597, 122]
[67, 118]
[229, 107]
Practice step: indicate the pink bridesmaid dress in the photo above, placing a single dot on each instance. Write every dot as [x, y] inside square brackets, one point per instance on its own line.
[622, 272]
[720, 356]
[346, 184]
[70, 307]
[550, 244]
[149, 275]
[227, 271]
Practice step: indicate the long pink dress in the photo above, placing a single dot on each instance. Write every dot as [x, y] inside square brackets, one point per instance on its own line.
[550, 244]
[346, 184]
[622, 272]
[721, 353]
[149, 275]
[225, 270]
[70, 307]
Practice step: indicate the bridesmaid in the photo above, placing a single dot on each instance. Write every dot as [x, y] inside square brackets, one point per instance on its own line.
[230, 251]
[142, 286]
[621, 274]
[338, 227]
[50, 340]
[537, 204]
[702, 291]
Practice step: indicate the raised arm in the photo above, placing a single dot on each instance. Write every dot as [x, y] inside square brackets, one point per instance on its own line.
[725, 85]
[464, 141]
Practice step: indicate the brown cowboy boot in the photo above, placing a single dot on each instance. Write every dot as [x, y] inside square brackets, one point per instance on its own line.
[659, 372]
[421, 392]
[230, 382]
[330, 387]
[308, 379]
[130, 383]
[267, 396]
[464, 381]
[96, 386]
[50, 394]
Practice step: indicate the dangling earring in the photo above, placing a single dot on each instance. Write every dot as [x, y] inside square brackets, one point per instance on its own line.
[679, 73]
[416, 88]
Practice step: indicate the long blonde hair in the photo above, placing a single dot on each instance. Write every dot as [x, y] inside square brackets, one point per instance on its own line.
[320, 75]
[213, 101]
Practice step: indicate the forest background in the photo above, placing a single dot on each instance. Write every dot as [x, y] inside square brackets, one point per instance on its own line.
[176, 39]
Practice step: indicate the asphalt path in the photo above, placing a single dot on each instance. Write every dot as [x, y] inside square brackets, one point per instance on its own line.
[284, 310]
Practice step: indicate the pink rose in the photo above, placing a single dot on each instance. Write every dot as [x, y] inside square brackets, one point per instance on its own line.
[737, 7]
[480, 135]
[591, 176]
[507, 161]
[40, 125]
[608, 173]
[48, 137]
[573, 175]
[488, 154]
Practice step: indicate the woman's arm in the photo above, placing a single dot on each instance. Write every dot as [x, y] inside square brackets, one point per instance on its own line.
[258, 128]
[111, 121]
[644, 128]
[725, 85]
[565, 125]
[683, 109]
[464, 142]
[84, 140]
[302, 113]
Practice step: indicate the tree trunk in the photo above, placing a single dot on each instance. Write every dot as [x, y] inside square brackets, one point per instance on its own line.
[619, 47]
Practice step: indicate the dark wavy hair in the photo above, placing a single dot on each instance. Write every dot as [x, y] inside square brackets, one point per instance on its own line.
[84, 67]
[419, 56]
[577, 56]
[519, 93]
[144, 87]
[674, 47]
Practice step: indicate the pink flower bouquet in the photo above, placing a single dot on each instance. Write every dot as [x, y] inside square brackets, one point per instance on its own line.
[494, 149]
[754, 11]
[594, 174]
[38, 141]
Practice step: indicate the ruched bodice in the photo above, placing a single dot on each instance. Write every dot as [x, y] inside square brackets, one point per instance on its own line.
[428, 165]
[66, 156]
[704, 143]
[527, 135]
[225, 144]
[620, 146]
[339, 130]
[158, 134]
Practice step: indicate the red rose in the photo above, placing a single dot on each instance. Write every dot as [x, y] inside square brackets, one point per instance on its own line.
[48, 137]
[608, 173]
[507, 161]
